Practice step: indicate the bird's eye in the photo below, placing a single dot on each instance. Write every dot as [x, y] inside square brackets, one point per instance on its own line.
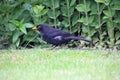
[39, 27]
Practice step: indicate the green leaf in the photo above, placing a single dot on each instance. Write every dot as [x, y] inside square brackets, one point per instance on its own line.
[23, 29]
[47, 3]
[103, 34]
[17, 23]
[117, 35]
[90, 19]
[65, 22]
[27, 6]
[71, 10]
[118, 42]
[85, 29]
[21, 22]
[95, 24]
[72, 2]
[56, 3]
[102, 7]
[74, 19]
[37, 21]
[11, 27]
[29, 36]
[52, 3]
[106, 2]
[81, 8]
[17, 13]
[117, 18]
[43, 19]
[100, 1]
[82, 19]
[38, 8]
[105, 17]
[44, 11]
[92, 31]
[50, 14]
[28, 25]
[110, 25]
[108, 13]
[93, 9]
[15, 36]
[17, 42]
[64, 10]
[115, 5]
[53, 15]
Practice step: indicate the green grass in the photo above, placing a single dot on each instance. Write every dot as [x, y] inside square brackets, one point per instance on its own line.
[59, 64]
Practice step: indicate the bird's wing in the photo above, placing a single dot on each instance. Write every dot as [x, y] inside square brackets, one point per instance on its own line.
[59, 38]
[57, 33]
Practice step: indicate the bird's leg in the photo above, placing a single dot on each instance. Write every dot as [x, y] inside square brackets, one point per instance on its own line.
[57, 46]
[91, 44]
[53, 47]
[64, 46]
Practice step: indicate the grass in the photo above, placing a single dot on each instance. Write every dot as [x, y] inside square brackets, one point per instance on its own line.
[59, 64]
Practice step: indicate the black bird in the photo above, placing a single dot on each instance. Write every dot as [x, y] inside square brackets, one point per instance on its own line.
[55, 36]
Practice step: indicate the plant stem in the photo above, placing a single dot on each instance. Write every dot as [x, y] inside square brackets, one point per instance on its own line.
[79, 24]
[99, 22]
[87, 21]
[30, 40]
[111, 29]
[54, 12]
[68, 7]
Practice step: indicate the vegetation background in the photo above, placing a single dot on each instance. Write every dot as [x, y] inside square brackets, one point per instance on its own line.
[98, 20]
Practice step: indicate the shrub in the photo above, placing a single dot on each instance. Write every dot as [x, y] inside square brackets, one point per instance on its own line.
[98, 20]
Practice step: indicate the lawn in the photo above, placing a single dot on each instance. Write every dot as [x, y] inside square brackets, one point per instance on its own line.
[59, 64]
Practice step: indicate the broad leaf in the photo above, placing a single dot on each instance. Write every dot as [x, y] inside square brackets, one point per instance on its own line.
[11, 26]
[53, 15]
[17, 23]
[81, 7]
[15, 36]
[72, 2]
[100, 1]
[23, 29]
[106, 2]
[74, 19]
[85, 29]
[115, 5]
[28, 25]
[90, 19]
[117, 35]
[17, 42]
[109, 13]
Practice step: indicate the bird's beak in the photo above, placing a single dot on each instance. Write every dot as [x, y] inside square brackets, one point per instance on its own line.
[34, 28]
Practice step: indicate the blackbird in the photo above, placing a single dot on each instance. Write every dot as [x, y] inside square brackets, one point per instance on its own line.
[55, 36]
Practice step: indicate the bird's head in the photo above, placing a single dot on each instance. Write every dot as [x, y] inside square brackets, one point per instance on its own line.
[40, 27]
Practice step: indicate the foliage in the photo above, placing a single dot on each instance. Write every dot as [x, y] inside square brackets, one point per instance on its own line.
[98, 20]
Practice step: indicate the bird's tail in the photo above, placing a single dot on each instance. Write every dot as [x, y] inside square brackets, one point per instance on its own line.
[78, 38]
